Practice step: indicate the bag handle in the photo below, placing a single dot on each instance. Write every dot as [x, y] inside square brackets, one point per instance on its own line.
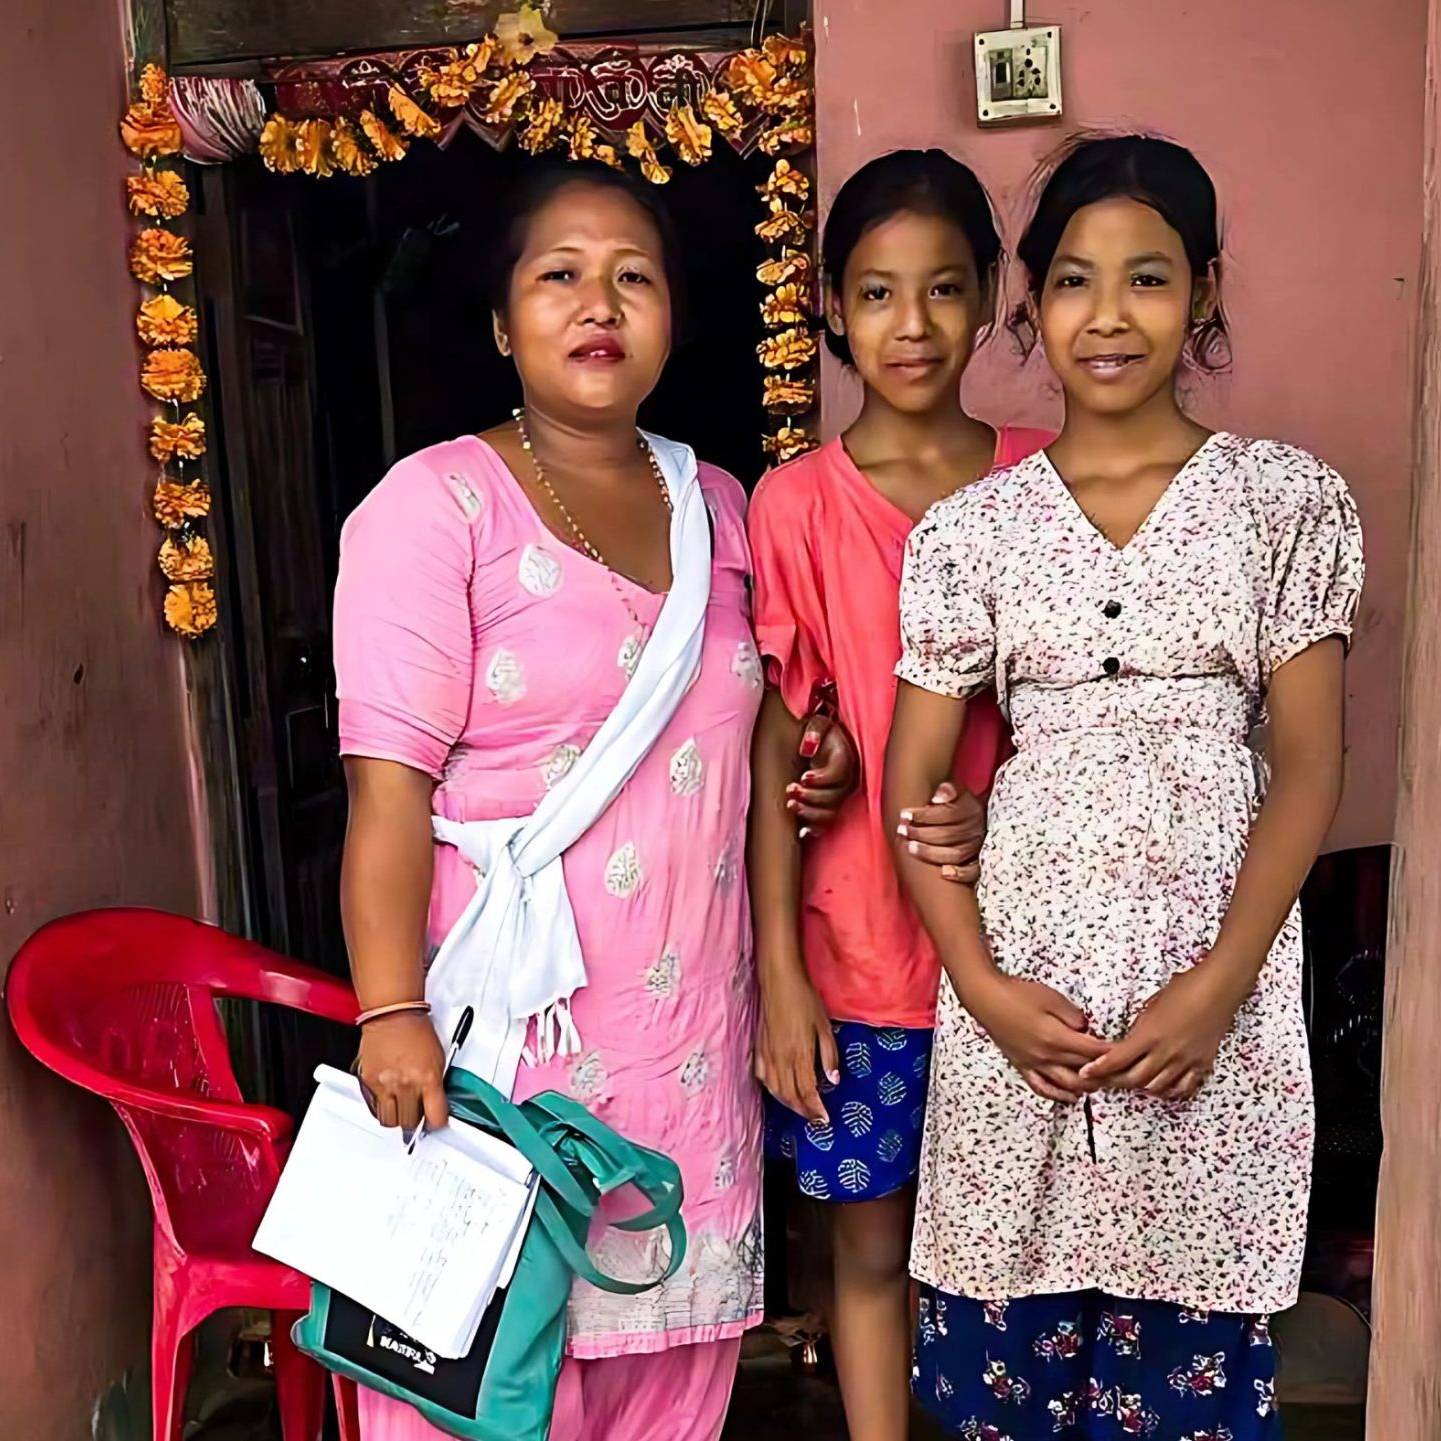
[655, 1175]
[578, 1258]
[469, 1093]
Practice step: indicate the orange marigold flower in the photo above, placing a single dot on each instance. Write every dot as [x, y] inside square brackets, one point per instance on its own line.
[782, 225]
[165, 321]
[173, 375]
[788, 395]
[638, 143]
[787, 305]
[544, 127]
[388, 145]
[785, 180]
[787, 350]
[793, 133]
[583, 137]
[522, 36]
[506, 95]
[190, 608]
[413, 120]
[689, 137]
[175, 502]
[788, 265]
[280, 146]
[788, 442]
[161, 194]
[347, 151]
[183, 558]
[312, 146]
[159, 255]
[609, 155]
[153, 84]
[177, 440]
[785, 53]
[150, 129]
[721, 111]
[752, 76]
[453, 83]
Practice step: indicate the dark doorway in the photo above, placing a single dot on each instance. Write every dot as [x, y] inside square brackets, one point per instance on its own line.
[346, 328]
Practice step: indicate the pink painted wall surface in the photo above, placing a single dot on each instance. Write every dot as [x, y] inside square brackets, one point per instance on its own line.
[1308, 113]
[94, 795]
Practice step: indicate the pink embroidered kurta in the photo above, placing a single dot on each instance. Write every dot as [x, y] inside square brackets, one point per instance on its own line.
[1133, 678]
[472, 644]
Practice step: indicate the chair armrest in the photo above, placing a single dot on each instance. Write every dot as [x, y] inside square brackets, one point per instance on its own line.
[261, 1122]
[279, 981]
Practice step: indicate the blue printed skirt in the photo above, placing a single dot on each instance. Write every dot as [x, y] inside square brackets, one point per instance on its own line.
[871, 1145]
[1084, 1366]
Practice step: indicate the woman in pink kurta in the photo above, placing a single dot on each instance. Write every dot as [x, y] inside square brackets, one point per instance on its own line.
[493, 601]
[473, 645]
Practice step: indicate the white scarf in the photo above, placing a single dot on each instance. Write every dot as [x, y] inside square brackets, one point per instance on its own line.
[514, 954]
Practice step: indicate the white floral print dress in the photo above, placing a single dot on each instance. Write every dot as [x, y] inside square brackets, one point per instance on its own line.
[1133, 678]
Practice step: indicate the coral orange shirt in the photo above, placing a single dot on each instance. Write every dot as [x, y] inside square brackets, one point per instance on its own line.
[828, 548]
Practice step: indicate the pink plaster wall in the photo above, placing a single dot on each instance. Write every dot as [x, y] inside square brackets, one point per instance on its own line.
[1320, 184]
[94, 794]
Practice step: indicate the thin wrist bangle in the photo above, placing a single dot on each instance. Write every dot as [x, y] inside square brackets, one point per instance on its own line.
[395, 1008]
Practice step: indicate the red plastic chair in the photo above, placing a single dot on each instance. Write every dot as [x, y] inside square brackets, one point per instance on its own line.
[122, 1002]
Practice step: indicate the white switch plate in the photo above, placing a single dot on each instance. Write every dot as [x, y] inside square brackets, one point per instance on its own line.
[1018, 74]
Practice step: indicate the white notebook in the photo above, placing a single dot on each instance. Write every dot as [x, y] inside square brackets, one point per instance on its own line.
[423, 1240]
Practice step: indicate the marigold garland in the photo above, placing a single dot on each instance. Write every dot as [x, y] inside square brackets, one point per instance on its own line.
[766, 90]
[170, 370]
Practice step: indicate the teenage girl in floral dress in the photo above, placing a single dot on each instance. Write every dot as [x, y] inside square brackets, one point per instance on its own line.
[1113, 1188]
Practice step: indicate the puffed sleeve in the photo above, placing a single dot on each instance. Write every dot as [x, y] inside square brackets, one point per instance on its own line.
[790, 614]
[948, 630]
[403, 643]
[1317, 565]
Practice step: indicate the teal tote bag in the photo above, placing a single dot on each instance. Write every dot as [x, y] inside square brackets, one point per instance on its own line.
[504, 1390]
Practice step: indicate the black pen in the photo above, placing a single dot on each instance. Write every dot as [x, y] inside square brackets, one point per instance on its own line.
[457, 1040]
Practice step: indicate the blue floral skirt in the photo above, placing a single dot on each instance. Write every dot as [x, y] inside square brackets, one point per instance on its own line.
[1085, 1366]
[871, 1144]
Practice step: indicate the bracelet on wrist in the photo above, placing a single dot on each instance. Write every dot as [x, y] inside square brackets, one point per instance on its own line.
[395, 1008]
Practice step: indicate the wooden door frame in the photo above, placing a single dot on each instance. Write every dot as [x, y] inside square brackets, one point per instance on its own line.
[1405, 1389]
[218, 36]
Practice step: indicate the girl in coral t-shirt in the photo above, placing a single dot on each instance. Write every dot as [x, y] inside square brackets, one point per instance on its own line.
[848, 975]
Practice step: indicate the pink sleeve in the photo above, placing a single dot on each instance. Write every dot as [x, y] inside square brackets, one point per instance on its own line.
[789, 605]
[403, 643]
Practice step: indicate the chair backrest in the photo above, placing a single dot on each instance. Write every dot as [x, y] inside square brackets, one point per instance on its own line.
[122, 1002]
